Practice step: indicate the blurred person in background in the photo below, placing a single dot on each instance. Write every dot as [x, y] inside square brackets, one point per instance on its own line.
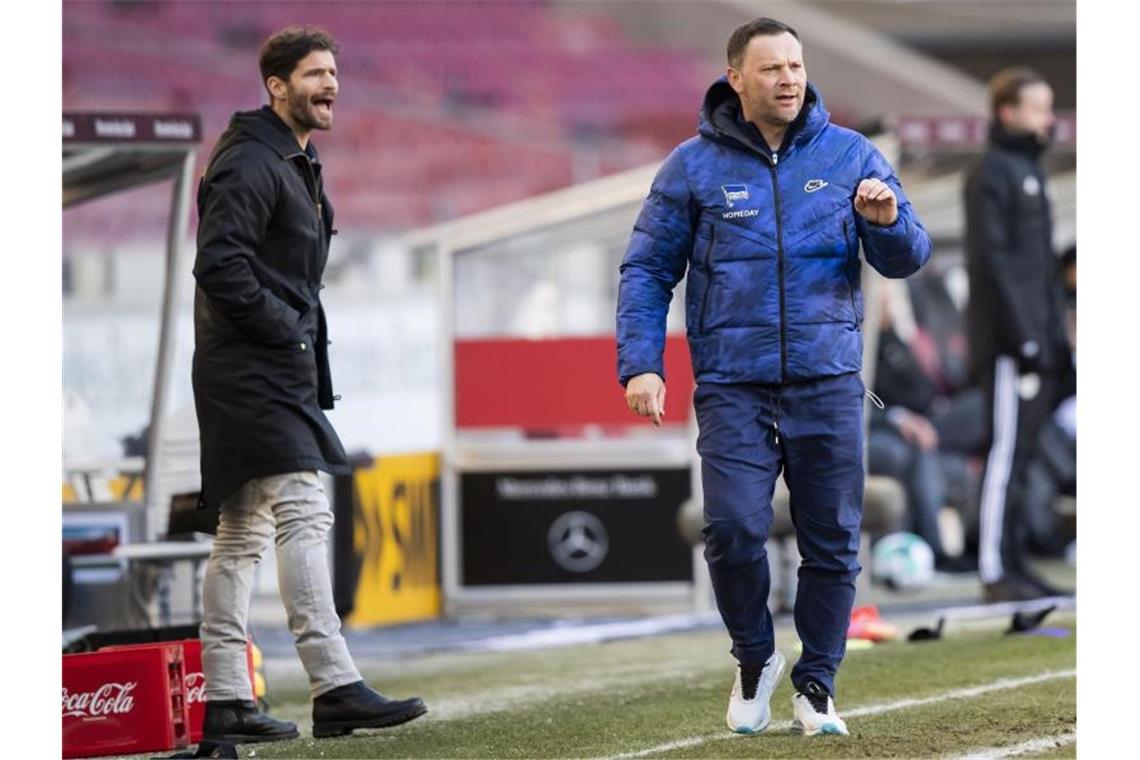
[1053, 470]
[766, 208]
[1069, 288]
[261, 384]
[1018, 343]
[929, 427]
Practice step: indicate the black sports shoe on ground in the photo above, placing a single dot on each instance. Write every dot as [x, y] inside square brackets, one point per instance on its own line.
[1010, 588]
[355, 705]
[239, 721]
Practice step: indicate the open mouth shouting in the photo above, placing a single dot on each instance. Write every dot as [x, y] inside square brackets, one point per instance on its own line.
[323, 106]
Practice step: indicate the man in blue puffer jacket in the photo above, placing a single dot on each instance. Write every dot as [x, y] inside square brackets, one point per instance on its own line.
[766, 208]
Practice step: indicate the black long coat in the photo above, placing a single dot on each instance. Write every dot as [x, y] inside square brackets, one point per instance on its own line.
[261, 372]
[1015, 292]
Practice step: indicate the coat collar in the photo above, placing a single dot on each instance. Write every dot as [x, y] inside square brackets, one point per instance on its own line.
[1017, 142]
[265, 126]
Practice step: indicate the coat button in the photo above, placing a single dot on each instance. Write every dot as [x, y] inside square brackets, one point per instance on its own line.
[302, 346]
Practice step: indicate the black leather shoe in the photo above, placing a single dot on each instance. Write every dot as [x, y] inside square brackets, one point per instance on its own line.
[1046, 588]
[1010, 588]
[355, 705]
[240, 722]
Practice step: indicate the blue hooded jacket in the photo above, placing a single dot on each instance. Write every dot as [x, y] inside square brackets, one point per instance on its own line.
[771, 245]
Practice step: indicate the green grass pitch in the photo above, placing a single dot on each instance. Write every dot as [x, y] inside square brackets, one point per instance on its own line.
[666, 696]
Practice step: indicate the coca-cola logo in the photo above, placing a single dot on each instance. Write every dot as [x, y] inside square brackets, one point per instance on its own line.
[195, 688]
[108, 699]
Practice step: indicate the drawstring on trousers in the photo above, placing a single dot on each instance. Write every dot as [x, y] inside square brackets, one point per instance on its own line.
[776, 409]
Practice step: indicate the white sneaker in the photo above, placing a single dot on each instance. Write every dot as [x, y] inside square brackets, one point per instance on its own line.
[814, 712]
[752, 715]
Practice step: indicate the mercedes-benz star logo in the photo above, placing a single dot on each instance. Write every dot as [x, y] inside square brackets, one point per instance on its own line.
[578, 541]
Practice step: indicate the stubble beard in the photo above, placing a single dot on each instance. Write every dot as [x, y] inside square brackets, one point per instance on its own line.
[769, 116]
[774, 118]
[301, 111]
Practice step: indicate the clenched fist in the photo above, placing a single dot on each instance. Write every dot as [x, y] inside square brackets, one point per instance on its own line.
[876, 202]
[645, 395]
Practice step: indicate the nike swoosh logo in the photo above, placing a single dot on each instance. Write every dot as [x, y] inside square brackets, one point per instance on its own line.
[814, 184]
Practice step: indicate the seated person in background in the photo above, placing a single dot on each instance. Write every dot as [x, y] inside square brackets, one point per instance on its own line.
[1050, 473]
[1053, 470]
[930, 426]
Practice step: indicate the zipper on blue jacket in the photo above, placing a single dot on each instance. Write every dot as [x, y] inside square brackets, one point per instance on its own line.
[708, 278]
[850, 284]
[780, 253]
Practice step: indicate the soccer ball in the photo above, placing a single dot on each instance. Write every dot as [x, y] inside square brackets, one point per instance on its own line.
[902, 561]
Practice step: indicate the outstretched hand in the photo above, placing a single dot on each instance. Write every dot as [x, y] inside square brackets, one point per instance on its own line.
[876, 202]
[645, 395]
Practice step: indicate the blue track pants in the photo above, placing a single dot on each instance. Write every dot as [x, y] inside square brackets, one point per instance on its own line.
[813, 433]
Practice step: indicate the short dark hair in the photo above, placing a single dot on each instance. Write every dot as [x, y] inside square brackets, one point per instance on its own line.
[284, 49]
[1005, 86]
[757, 27]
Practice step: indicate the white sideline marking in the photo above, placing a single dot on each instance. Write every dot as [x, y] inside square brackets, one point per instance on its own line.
[1033, 745]
[692, 741]
[902, 704]
[569, 635]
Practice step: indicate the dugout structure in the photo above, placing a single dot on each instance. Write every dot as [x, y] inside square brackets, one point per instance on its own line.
[554, 497]
[104, 153]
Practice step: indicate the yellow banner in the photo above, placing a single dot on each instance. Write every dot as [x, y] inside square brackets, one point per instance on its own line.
[396, 539]
[118, 488]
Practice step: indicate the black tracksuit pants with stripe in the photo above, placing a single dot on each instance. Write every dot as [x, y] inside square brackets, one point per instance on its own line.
[1018, 406]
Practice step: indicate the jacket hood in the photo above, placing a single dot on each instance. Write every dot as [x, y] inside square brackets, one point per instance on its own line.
[264, 126]
[721, 119]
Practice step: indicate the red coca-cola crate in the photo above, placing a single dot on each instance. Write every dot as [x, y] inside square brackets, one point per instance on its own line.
[116, 703]
[195, 678]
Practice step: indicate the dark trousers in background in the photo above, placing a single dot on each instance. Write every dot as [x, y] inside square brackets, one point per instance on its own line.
[961, 421]
[1018, 407]
[819, 449]
[932, 479]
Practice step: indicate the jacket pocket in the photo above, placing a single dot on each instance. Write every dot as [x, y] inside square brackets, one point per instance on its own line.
[304, 332]
[708, 279]
[300, 343]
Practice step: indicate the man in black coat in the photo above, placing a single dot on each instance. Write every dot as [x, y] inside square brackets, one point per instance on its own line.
[1018, 343]
[261, 382]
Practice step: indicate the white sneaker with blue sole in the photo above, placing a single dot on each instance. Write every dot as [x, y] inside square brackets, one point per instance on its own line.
[814, 712]
[749, 708]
